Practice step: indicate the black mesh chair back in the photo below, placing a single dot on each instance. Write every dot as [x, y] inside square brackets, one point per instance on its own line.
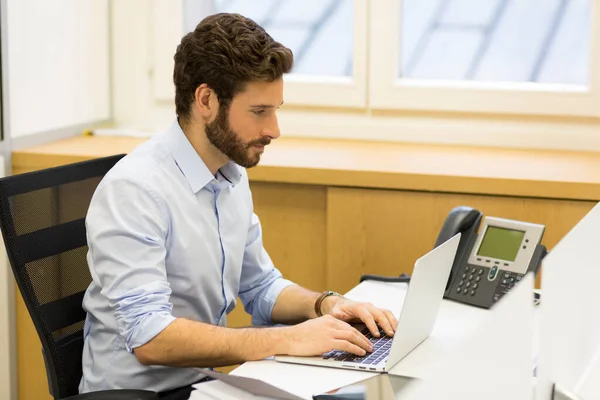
[42, 217]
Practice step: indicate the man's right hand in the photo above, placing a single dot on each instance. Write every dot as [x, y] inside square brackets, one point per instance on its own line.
[321, 335]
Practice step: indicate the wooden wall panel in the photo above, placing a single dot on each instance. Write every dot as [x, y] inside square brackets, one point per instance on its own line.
[31, 372]
[385, 231]
[293, 219]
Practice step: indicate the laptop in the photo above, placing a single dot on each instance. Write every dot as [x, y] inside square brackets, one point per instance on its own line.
[417, 318]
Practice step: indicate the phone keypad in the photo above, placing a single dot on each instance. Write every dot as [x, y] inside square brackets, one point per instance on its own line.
[507, 281]
[482, 286]
[468, 285]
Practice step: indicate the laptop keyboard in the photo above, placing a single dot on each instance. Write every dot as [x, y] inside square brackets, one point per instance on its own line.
[381, 349]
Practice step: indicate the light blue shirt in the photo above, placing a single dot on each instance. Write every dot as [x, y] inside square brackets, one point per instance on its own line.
[167, 239]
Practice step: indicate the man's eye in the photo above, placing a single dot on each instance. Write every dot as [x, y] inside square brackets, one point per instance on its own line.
[258, 112]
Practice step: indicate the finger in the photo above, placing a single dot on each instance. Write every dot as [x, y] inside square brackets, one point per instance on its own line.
[361, 335]
[362, 338]
[356, 338]
[391, 318]
[382, 320]
[350, 347]
[329, 318]
[367, 318]
[339, 324]
[344, 326]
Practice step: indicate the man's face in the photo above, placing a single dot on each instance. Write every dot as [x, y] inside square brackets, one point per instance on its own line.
[243, 131]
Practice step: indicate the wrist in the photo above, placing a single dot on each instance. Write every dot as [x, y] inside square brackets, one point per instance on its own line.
[325, 302]
[329, 302]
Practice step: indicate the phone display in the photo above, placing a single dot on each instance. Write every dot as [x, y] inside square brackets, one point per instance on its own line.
[501, 243]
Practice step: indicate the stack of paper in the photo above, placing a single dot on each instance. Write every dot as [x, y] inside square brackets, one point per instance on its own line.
[240, 387]
[218, 390]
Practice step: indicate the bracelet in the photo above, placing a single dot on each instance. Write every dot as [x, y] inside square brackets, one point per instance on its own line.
[320, 299]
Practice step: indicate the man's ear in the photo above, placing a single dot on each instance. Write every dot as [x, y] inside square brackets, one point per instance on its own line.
[205, 101]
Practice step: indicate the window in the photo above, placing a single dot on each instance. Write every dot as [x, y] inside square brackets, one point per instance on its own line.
[419, 70]
[492, 56]
[543, 41]
[319, 32]
[496, 56]
[328, 38]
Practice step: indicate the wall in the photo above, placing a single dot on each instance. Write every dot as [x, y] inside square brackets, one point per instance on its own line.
[58, 64]
[55, 80]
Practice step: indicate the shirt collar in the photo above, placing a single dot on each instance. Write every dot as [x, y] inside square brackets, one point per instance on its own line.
[191, 164]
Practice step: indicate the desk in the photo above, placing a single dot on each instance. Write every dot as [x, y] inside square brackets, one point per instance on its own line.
[369, 164]
[334, 210]
[454, 324]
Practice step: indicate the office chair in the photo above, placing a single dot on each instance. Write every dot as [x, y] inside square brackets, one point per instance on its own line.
[42, 218]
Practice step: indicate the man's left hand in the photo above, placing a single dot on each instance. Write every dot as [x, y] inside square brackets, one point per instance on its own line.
[351, 311]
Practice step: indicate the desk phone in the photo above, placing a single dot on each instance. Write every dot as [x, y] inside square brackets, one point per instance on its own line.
[489, 263]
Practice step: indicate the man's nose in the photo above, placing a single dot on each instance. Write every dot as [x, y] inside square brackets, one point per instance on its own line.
[272, 128]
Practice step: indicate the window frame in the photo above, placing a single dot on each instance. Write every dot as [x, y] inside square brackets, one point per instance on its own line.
[167, 24]
[389, 92]
[135, 106]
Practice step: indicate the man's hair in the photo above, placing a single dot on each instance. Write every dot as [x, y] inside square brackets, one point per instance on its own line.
[226, 51]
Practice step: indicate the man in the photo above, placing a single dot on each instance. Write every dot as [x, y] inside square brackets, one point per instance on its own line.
[173, 239]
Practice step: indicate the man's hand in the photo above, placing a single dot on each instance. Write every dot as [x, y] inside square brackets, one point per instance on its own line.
[351, 311]
[321, 335]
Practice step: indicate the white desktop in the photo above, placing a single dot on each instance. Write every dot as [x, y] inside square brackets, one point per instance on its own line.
[475, 353]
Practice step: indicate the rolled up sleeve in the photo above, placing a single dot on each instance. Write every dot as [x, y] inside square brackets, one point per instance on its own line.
[261, 283]
[127, 230]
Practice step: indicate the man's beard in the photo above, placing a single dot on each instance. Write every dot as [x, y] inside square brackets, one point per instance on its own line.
[220, 135]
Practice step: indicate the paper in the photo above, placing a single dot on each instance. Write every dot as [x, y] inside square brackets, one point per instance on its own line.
[301, 380]
[570, 307]
[496, 362]
[255, 386]
[217, 390]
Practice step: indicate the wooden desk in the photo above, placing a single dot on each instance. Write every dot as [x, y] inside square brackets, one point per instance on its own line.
[333, 210]
[458, 169]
